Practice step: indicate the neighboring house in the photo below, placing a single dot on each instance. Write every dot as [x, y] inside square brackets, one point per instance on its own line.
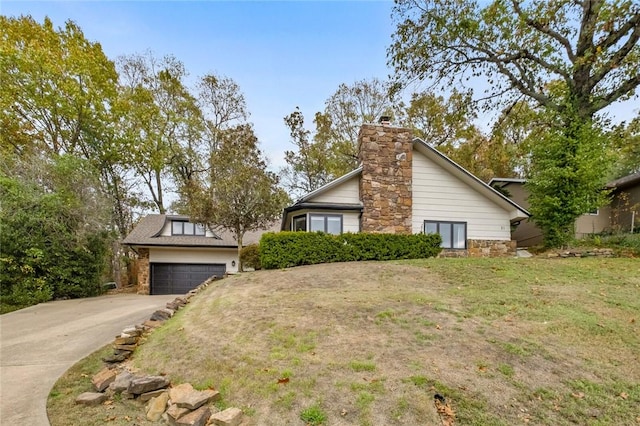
[405, 186]
[176, 255]
[621, 214]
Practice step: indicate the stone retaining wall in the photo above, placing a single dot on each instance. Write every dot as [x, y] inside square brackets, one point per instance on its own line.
[484, 248]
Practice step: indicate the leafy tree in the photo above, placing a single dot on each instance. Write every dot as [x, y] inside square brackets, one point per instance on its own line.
[573, 58]
[240, 194]
[308, 165]
[350, 106]
[56, 85]
[161, 118]
[52, 239]
[626, 142]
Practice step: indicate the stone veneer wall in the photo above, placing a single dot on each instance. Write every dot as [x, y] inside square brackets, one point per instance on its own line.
[143, 271]
[385, 153]
[484, 248]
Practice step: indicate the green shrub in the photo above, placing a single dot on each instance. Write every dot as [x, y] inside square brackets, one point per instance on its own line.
[286, 249]
[250, 256]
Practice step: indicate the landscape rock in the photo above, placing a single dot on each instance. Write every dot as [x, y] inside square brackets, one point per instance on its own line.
[159, 315]
[153, 323]
[229, 417]
[195, 418]
[113, 359]
[157, 406]
[184, 396]
[132, 331]
[91, 398]
[175, 412]
[148, 395]
[103, 379]
[122, 382]
[129, 348]
[125, 340]
[140, 385]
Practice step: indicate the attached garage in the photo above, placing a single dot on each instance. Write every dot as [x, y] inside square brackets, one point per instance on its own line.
[179, 278]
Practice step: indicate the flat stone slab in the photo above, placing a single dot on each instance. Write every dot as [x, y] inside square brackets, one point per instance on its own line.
[229, 417]
[195, 418]
[145, 384]
[103, 379]
[185, 396]
[149, 395]
[91, 398]
[157, 406]
[122, 382]
[175, 412]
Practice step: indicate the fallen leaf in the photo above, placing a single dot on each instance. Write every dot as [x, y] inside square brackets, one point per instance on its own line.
[438, 327]
[84, 375]
[578, 395]
[343, 412]
[632, 320]
[283, 380]
[108, 402]
[624, 395]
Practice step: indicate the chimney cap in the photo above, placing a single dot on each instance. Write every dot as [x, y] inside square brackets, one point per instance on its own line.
[385, 119]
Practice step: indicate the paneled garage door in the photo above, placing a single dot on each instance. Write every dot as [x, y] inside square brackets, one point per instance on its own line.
[179, 278]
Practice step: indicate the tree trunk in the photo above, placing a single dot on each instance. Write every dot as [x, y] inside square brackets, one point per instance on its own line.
[239, 237]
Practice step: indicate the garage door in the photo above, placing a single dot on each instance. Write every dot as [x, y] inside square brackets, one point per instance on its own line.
[179, 278]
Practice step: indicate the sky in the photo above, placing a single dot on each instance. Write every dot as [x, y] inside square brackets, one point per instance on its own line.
[282, 54]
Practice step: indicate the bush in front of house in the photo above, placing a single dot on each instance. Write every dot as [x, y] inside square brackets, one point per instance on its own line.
[250, 256]
[286, 249]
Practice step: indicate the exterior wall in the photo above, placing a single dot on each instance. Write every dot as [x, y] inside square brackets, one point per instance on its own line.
[439, 195]
[527, 233]
[350, 219]
[144, 280]
[195, 255]
[345, 193]
[484, 248]
[626, 209]
[593, 223]
[385, 186]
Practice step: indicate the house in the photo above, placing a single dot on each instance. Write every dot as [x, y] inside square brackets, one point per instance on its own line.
[176, 255]
[405, 186]
[620, 214]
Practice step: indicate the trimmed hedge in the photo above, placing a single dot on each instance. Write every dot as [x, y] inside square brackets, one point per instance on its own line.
[286, 249]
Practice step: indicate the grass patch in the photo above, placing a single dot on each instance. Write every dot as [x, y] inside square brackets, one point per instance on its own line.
[313, 415]
[375, 341]
[360, 366]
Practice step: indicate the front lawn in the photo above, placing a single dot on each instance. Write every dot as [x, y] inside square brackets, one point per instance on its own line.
[505, 341]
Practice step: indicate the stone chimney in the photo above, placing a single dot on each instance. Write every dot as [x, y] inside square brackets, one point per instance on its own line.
[385, 153]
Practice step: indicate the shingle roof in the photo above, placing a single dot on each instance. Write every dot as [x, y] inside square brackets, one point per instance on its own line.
[624, 182]
[147, 233]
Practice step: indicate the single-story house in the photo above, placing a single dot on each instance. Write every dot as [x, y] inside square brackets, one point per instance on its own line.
[620, 214]
[176, 255]
[404, 185]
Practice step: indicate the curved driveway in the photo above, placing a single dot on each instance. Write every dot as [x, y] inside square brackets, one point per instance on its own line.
[38, 344]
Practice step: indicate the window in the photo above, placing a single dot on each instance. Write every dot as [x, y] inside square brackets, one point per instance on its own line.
[299, 223]
[181, 227]
[329, 223]
[454, 234]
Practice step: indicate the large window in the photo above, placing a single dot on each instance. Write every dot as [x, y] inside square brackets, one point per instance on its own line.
[299, 223]
[181, 227]
[454, 234]
[329, 223]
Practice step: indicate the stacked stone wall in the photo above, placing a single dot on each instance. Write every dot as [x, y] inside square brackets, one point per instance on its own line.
[484, 248]
[144, 286]
[385, 153]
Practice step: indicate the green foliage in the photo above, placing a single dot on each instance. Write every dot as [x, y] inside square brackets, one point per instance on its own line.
[568, 171]
[313, 415]
[286, 249]
[45, 250]
[250, 256]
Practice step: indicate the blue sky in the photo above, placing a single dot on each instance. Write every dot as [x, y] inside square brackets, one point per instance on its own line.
[282, 54]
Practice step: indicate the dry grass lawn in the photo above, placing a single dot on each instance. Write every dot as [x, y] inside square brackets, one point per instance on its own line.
[537, 341]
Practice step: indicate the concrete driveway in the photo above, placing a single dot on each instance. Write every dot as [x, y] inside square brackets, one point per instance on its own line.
[38, 344]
